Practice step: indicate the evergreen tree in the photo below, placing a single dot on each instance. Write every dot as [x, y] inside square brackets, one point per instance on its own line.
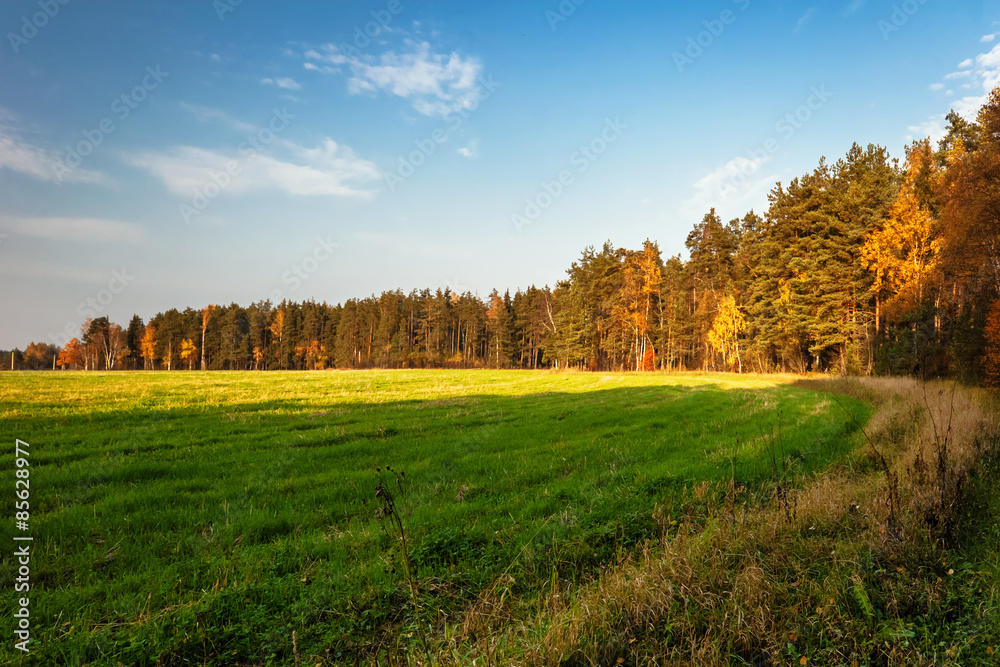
[133, 342]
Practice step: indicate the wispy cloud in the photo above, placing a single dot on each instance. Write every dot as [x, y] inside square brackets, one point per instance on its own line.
[286, 83]
[210, 115]
[329, 60]
[328, 53]
[979, 76]
[74, 229]
[933, 128]
[22, 157]
[804, 19]
[327, 169]
[983, 76]
[325, 69]
[988, 38]
[734, 187]
[436, 83]
[471, 150]
[853, 7]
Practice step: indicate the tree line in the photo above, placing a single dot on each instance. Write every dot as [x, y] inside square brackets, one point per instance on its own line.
[862, 266]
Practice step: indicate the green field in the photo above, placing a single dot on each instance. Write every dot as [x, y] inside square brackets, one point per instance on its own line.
[201, 518]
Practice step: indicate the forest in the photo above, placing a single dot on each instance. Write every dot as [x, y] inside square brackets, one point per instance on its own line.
[862, 266]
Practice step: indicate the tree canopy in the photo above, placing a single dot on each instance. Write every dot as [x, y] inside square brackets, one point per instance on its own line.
[859, 266]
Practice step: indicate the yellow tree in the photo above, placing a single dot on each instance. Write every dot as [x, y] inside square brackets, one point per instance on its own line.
[724, 336]
[278, 328]
[906, 249]
[148, 346]
[187, 352]
[258, 356]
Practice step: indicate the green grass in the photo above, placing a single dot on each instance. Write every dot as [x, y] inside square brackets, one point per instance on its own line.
[202, 517]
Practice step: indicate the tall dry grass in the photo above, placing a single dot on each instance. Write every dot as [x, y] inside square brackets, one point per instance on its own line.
[827, 573]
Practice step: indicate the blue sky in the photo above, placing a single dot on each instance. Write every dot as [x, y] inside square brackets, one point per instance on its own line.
[172, 154]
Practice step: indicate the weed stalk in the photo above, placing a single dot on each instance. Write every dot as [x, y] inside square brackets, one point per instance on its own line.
[390, 511]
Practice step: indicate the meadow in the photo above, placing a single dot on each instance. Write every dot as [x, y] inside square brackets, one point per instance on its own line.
[203, 518]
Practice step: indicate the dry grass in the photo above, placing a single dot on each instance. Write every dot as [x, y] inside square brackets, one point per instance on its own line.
[830, 572]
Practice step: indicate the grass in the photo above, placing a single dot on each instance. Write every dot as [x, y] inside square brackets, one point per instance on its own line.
[870, 567]
[183, 518]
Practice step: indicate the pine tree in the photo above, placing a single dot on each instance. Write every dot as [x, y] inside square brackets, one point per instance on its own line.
[133, 342]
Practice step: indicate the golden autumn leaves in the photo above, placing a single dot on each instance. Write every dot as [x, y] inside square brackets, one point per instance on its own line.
[724, 336]
[907, 247]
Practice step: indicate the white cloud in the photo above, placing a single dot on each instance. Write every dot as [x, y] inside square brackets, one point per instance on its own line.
[208, 115]
[981, 73]
[471, 150]
[436, 83]
[933, 127]
[804, 19]
[968, 107]
[74, 229]
[331, 55]
[20, 156]
[988, 38]
[986, 73]
[327, 169]
[732, 189]
[325, 69]
[853, 7]
[329, 61]
[286, 83]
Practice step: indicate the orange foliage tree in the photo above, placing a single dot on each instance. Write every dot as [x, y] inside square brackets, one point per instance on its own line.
[72, 354]
[649, 360]
[641, 277]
